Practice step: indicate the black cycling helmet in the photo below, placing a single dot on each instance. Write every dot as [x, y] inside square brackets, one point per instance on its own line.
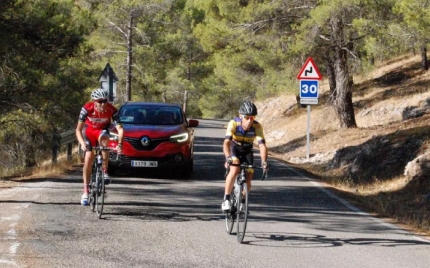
[248, 108]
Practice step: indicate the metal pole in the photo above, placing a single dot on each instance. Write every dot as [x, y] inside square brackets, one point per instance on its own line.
[110, 79]
[55, 146]
[307, 132]
[69, 151]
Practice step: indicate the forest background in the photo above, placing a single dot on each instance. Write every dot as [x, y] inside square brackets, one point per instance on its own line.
[208, 55]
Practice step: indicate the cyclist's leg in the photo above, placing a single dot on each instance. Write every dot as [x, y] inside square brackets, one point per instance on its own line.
[89, 156]
[250, 172]
[229, 180]
[90, 140]
[234, 169]
[103, 141]
[229, 183]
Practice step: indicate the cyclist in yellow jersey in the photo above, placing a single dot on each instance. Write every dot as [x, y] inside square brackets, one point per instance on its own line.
[237, 147]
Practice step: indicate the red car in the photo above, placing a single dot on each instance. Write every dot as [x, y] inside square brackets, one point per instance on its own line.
[156, 136]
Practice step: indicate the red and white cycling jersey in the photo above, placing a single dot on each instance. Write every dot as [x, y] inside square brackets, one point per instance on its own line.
[95, 119]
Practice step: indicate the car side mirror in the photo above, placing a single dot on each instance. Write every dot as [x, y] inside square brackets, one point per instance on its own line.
[193, 123]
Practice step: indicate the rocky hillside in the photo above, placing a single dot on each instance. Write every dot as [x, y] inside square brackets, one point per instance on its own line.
[385, 159]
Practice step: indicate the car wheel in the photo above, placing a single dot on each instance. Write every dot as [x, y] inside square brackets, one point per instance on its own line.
[111, 170]
[185, 173]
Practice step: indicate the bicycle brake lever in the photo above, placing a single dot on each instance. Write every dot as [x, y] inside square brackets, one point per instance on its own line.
[264, 176]
[226, 172]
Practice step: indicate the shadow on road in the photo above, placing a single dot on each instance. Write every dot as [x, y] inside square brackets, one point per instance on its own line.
[298, 240]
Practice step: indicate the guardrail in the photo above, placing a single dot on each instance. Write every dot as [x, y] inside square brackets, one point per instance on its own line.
[65, 138]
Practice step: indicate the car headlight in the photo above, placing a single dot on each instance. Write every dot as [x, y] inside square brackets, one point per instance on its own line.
[179, 138]
[113, 136]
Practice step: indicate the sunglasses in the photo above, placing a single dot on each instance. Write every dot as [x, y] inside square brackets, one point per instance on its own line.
[248, 117]
[102, 101]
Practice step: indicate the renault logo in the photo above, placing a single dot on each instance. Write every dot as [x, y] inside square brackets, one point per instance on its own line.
[145, 141]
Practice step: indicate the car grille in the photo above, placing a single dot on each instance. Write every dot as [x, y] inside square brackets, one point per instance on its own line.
[153, 143]
[127, 159]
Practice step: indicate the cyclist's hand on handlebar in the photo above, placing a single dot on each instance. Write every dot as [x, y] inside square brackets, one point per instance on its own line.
[119, 148]
[228, 162]
[265, 165]
[84, 147]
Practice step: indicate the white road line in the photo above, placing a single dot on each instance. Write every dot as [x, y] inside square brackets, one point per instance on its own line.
[9, 262]
[357, 210]
[10, 234]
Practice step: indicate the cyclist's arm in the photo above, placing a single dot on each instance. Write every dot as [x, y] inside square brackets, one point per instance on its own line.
[263, 152]
[79, 136]
[227, 140]
[81, 124]
[120, 130]
[226, 148]
[261, 143]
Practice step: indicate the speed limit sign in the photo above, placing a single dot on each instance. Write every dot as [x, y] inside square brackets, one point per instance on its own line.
[309, 89]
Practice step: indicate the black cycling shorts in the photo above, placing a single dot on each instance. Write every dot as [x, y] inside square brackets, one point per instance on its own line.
[243, 154]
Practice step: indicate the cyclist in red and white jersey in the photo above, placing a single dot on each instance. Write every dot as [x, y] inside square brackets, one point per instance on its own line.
[94, 121]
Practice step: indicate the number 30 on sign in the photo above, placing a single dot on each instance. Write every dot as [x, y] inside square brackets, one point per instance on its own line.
[309, 89]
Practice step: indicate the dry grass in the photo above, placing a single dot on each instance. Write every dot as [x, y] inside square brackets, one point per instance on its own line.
[47, 170]
[379, 100]
[58, 169]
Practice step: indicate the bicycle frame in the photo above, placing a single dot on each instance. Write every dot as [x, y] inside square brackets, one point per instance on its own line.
[97, 184]
[239, 200]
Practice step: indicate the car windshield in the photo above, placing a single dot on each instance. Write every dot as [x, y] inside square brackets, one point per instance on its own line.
[137, 115]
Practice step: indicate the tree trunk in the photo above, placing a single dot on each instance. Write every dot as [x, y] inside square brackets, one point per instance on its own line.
[129, 58]
[424, 61]
[343, 102]
[331, 79]
[413, 41]
[185, 101]
[29, 152]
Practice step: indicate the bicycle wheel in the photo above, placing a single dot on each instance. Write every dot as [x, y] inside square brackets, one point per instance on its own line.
[242, 214]
[92, 194]
[92, 200]
[100, 192]
[229, 216]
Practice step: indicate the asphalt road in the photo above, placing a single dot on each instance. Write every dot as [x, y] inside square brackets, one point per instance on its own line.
[158, 220]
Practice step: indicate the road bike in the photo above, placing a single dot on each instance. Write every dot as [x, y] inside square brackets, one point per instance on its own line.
[239, 198]
[97, 183]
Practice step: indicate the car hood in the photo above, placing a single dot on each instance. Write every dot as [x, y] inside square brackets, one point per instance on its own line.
[153, 131]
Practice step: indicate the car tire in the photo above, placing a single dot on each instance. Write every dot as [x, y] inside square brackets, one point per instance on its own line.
[185, 173]
[111, 171]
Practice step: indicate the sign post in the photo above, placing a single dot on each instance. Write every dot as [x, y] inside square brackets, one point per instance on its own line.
[108, 81]
[309, 76]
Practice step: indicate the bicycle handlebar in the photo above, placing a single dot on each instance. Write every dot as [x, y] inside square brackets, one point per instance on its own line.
[246, 165]
[102, 148]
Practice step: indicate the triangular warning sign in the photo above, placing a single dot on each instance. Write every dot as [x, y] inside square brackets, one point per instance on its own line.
[309, 71]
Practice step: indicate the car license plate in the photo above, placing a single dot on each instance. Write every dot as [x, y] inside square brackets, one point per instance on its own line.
[135, 163]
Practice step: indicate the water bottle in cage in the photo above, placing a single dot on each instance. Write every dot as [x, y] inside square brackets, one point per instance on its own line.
[242, 176]
[236, 188]
[99, 159]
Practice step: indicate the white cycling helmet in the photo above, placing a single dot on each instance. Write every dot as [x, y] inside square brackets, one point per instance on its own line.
[99, 93]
